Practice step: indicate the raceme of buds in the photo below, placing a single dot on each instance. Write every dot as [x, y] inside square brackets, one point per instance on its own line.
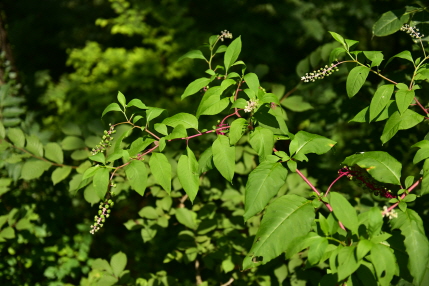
[412, 31]
[106, 141]
[319, 74]
[225, 35]
[366, 181]
[103, 213]
[391, 214]
[251, 105]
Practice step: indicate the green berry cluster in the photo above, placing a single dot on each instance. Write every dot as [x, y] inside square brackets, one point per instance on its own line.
[103, 213]
[106, 140]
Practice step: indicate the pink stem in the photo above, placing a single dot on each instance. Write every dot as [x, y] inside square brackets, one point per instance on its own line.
[402, 197]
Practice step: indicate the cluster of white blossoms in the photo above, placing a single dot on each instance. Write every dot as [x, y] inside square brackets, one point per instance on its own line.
[391, 214]
[251, 105]
[225, 35]
[319, 74]
[412, 31]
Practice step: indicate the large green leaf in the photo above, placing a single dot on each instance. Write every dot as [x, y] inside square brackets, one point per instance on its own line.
[139, 145]
[54, 152]
[380, 100]
[211, 103]
[187, 171]
[404, 99]
[195, 86]
[390, 22]
[118, 263]
[296, 103]
[186, 119]
[425, 181]
[111, 107]
[347, 262]
[153, 112]
[406, 55]
[236, 130]
[375, 57]
[33, 169]
[137, 176]
[286, 222]
[224, 157]
[161, 170]
[263, 184]
[60, 174]
[380, 165]
[344, 211]
[232, 53]
[262, 141]
[101, 182]
[194, 54]
[398, 122]
[384, 263]
[187, 217]
[72, 143]
[252, 82]
[16, 136]
[304, 143]
[356, 79]
[205, 163]
[34, 145]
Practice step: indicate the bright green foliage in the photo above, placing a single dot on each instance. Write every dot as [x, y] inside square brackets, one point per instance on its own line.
[228, 180]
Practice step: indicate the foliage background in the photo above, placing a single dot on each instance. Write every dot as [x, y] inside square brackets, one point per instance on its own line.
[72, 56]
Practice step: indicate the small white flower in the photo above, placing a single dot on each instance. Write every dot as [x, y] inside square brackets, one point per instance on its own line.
[392, 214]
[251, 105]
[412, 31]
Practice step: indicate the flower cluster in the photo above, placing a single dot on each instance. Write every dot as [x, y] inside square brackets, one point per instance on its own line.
[103, 213]
[225, 35]
[391, 214]
[251, 105]
[412, 31]
[366, 181]
[105, 142]
[319, 74]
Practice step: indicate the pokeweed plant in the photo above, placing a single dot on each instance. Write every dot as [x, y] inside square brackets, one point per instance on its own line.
[377, 247]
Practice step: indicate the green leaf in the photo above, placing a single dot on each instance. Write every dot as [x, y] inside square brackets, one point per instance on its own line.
[380, 165]
[236, 130]
[118, 263]
[347, 262]
[363, 248]
[187, 217]
[194, 54]
[71, 128]
[72, 143]
[137, 103]
[211, 103]
[2, 130]
[338, 38]
[16, 136]
[178, 132]
[139, 145]
[425, 181]
[356, 79]
[99, 157]
[205, 163]
[232, 53]
[287, 220]
[335, 54]
[224, 157]
[344, 211]
[406, 55]
[90, 172]
[195, 86]
[317, 250]
[54, 153]
[121, 99]
[263, 184]
[269, 98]
[152, 113]
[161, 128]
[380, 100]
[34, 145]
[383, 259]
[404, 99]
[375, 57]
[100, 182]
[186, 119]
[398, 122]
[262, 141]
[33, 169]
[148, 212]
[296, 103]
[161, 170]
[111, 107]
[137, 175]
[187, 171]
[390, 23]
[252, 82]
[417, 247]
[60, 174]
[304, 143]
